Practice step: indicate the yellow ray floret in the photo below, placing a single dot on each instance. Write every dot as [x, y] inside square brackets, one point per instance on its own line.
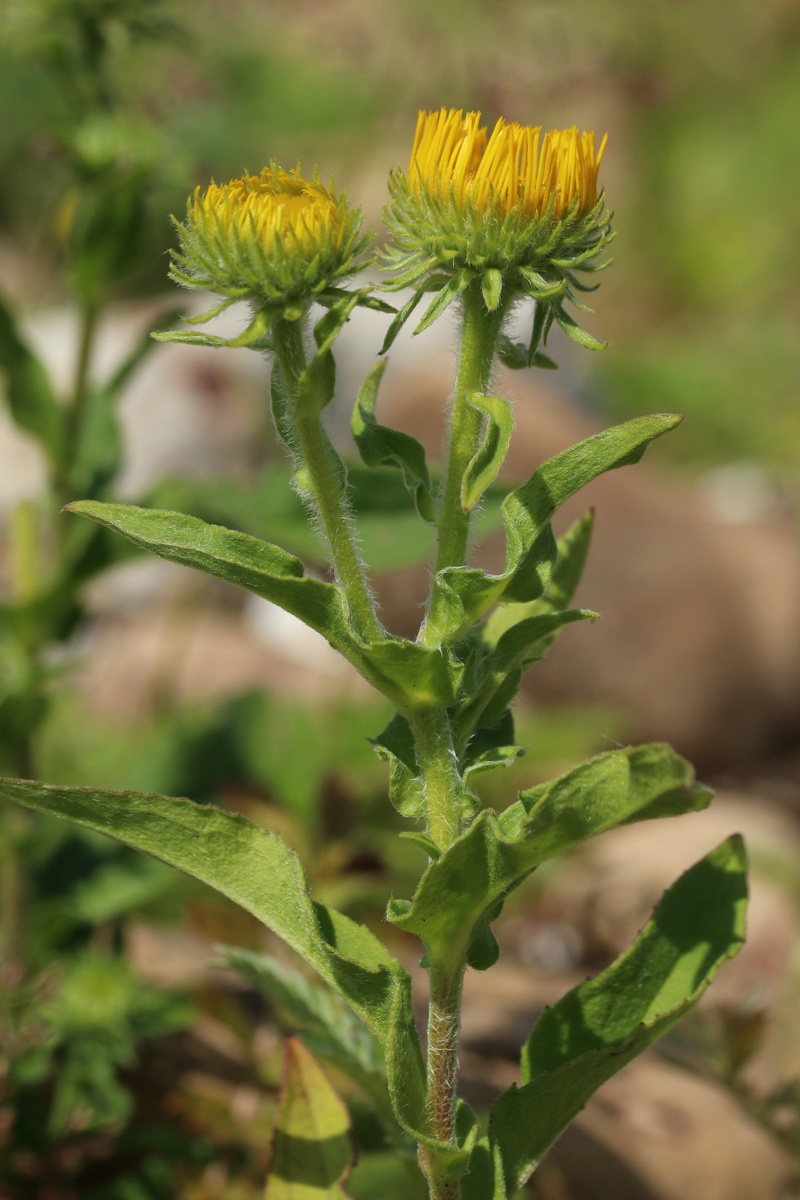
[516, 168]
[274, 206]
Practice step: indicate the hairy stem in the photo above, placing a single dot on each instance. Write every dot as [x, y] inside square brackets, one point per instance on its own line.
[437, 763]
[444, 1023]
[480, 330]
[323, 475]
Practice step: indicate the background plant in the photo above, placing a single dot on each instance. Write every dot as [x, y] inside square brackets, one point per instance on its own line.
[452, 686]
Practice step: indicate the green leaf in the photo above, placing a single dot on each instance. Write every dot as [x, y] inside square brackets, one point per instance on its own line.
[31, 401]
[401, 318]
[598, 1027]
[396, 746]
[491, 454]
[380, 445]
[464, 593]
[258, 870]
[328, 328]
[497, 852]
[251, 866]
[402, 670]
[572, 549]
[313, 1009]
[524, 642]
[191, 337]
[254, 336]
[237, 558]
[512, 354]
[312, 1151]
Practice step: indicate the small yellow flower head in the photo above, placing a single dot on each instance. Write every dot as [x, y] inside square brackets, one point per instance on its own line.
[518, 208]
[273, 238]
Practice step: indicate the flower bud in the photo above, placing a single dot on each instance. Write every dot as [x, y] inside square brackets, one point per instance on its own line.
[275, 239]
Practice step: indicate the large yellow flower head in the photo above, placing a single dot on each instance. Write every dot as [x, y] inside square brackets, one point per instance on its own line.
[275, 239]
[515, 170]
[518, 207]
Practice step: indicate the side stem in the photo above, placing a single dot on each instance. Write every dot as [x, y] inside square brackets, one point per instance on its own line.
[324, 475]
[480, 330]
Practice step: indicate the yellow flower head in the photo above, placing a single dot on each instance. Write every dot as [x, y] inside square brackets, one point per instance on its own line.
[273, 238]
[273, 208]
[515, 169]
[518, 208]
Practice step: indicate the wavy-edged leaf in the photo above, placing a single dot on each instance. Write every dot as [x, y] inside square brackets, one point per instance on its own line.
[497, 852]
[491, 454]
[312, 1148]
[598, 1027]
[395, 745]
[379, 445]
[463, 594]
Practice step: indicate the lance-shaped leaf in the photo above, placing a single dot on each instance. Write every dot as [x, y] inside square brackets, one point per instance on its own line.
[31, 402]
[251, 866]
[312, 1150]
[497, 852]
[379, 445]
[258, 870]
[601, 1025]
[463, 594]
[402, 670]
[491, 454]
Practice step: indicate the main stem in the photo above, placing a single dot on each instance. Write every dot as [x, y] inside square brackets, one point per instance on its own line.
[480, 330]
[324, 474]
[442, 792]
